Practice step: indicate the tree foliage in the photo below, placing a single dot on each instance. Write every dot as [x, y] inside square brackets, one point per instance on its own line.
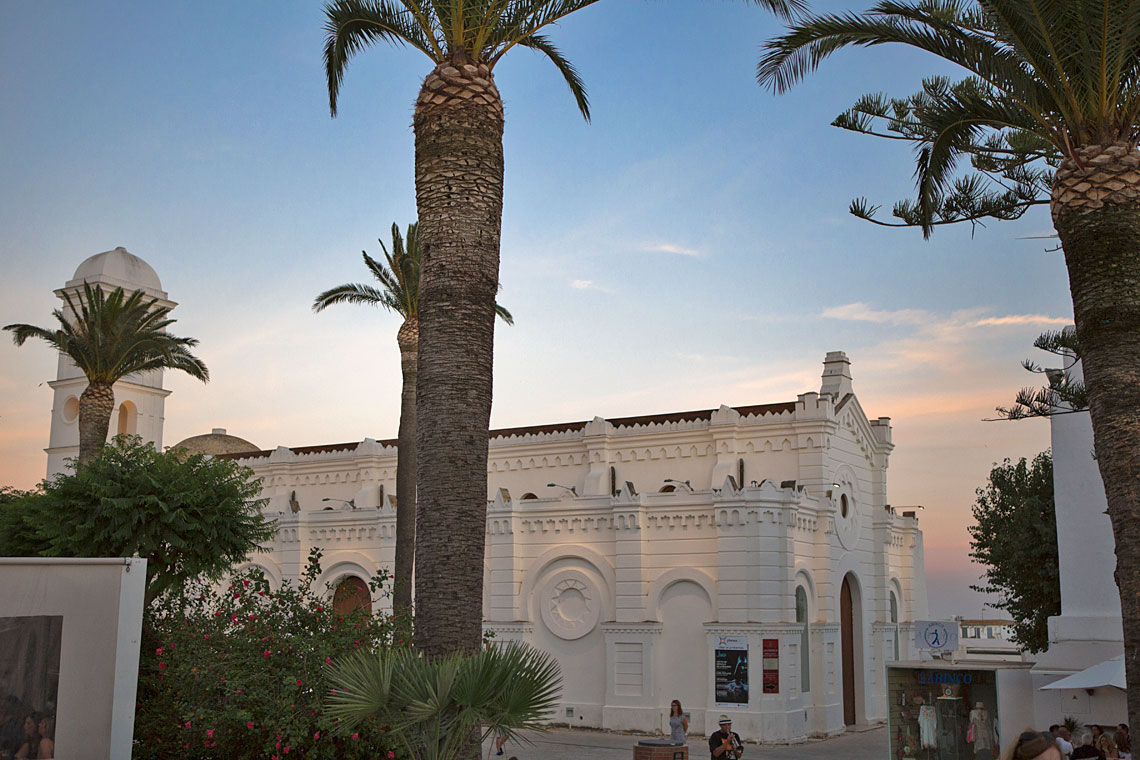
[1015, 539]
[189, 516]
[1045, 78]
[1062, 394]
[239, 671]
[110, 336]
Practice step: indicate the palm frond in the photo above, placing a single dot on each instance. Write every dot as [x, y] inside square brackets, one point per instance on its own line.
[110, 336]
[352, 25]
[432, 705]
[542, 44]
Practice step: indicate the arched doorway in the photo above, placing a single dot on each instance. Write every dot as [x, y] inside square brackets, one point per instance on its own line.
[850, 625]
[352, 594]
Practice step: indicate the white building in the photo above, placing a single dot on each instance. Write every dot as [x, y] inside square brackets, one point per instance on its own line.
[1089, 630]
[139, 398]
[671, 539]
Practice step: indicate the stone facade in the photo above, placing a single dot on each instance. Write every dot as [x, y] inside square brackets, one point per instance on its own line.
[663, 534]
[630, 549]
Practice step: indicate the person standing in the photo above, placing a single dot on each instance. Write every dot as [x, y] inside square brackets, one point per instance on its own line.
[678, 723]
[725, 744]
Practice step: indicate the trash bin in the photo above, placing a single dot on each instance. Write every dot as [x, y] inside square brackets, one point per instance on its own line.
[660, 749]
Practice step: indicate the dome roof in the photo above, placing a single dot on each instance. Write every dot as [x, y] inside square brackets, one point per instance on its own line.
[214, 443]
[118, 268]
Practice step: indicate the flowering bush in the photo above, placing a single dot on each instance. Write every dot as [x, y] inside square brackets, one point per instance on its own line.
[239, 671]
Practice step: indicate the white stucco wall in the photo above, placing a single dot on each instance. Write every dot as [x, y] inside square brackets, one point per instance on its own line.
[628, 588]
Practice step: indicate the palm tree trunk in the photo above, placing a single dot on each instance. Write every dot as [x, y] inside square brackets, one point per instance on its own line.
[459, 195]
[95, 406]
[408, 338]
[1096, 210]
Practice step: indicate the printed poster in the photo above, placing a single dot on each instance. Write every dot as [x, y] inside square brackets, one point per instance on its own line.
[731, 670]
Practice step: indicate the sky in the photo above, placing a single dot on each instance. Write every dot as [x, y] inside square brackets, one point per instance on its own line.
[689, 247]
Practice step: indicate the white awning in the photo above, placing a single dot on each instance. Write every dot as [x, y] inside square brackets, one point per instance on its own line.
[1107, 673]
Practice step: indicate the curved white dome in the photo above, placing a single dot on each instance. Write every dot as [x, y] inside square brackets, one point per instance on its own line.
[118, 267]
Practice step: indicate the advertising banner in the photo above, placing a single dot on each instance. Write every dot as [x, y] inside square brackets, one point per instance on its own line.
[731, 674]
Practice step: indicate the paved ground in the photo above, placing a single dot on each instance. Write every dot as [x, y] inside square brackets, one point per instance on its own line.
[580, 744]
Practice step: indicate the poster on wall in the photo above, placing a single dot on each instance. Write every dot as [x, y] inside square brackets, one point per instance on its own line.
[731, 671]
[29, 677]
[770, 666]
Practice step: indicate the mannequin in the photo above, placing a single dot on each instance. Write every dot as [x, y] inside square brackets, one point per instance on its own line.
[982, 729]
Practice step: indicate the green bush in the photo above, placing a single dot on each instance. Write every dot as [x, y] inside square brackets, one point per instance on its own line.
[239, 671]
[187, 515]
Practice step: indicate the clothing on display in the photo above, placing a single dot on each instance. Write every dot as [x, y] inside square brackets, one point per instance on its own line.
[927, 727]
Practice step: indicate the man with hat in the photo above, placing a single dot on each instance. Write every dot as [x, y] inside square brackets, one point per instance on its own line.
[725, 743]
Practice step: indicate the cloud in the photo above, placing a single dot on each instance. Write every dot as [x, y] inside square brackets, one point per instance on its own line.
[861, 312]
[1022, 319]
[671, 248]
[589, 285]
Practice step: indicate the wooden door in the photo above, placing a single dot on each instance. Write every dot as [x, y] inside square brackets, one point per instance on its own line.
[847, 632]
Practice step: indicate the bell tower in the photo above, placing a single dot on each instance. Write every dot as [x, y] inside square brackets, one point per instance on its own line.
[139, 398]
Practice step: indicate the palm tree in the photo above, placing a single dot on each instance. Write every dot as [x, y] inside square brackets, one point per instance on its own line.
[109, 337]
[399, 293]
[432, 705]
[458, 124]
[1065, 73]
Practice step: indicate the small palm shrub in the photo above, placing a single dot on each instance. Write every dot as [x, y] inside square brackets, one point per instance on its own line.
[434, 707]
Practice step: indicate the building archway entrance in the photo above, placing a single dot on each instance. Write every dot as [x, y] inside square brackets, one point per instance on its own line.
[847, 646]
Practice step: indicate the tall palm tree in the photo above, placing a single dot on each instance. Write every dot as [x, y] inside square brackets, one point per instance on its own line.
[458, 124]
[109, 337]
[1066, 73]
[399, 293]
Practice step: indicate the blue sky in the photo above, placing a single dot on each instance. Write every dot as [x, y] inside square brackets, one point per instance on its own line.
[689, 247]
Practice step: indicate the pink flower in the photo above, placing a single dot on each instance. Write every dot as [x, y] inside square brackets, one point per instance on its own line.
[218, 613]
[249, 725]
[320, 608]
[245, 583]
[158, 651]
[205, 635]
[237, 594]
[391, 754]
[285, 751]
[328, 661]
[355, 737]
[317, 735]
[209, 733]
[162, 666]
[187, 724]
[266, 652]
[298, 681]
[261, 593]
[253, 617]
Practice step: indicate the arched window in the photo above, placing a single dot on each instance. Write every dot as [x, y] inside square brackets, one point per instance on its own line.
[526, 496]
[805, 639]
[895, 621]
[843, 505]
[352, 594]
[667, 489]
[128, 419]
